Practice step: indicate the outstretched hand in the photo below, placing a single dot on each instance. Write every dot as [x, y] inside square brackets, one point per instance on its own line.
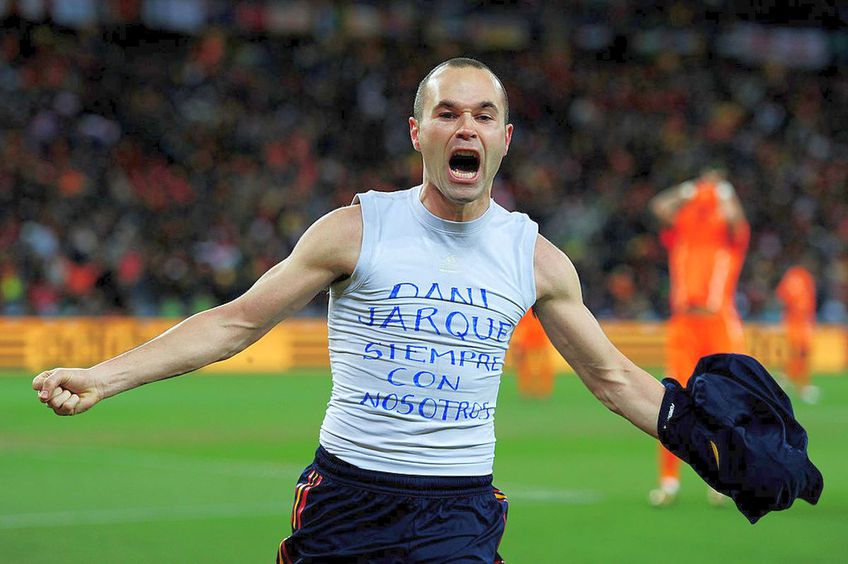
[67, 391]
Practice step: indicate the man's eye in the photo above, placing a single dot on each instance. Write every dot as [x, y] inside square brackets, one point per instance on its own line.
[446, 115]
[485, 117]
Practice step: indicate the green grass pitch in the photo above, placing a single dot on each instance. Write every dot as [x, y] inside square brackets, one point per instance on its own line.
[202, 469]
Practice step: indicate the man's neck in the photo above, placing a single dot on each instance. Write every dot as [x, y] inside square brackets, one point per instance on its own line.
[439, 205]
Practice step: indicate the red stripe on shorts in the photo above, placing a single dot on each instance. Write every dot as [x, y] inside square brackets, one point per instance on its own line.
[298, 493]
[282, 554]
[313, 482]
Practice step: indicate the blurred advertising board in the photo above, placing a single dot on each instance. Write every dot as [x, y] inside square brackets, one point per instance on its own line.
[35, 344]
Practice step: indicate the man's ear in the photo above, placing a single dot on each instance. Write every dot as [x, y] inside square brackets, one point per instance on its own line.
[413, 134]
[508, 137]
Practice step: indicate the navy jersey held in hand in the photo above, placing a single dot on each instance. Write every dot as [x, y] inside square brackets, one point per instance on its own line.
[736, 427]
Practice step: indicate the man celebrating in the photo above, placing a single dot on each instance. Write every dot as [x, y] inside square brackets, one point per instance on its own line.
[426, 287]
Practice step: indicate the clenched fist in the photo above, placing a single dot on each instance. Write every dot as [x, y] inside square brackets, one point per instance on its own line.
[67, 391]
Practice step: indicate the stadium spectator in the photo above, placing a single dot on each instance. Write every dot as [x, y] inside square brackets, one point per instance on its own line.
[111, 133]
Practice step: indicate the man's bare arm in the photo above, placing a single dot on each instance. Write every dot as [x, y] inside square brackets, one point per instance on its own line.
[730, 205]
[327, 251]
[664, 205]
[619, 384]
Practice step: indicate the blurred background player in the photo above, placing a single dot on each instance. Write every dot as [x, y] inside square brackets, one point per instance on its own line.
[797, 292]
[534, 367]
[706, 235]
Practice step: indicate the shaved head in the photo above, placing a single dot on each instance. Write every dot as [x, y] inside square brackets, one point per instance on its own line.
[458, 62]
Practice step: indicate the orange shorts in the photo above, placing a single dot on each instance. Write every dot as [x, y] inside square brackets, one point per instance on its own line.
[799, 335]
[692, 336]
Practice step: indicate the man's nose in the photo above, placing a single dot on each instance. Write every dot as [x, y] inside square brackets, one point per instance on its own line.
[466, 128]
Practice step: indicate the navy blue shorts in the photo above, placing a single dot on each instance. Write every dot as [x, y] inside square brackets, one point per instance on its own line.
[343, 513]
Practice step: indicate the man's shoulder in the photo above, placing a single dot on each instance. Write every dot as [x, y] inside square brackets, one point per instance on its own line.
[506, 215]
[398, 194]
[554, 273]
[344, 224]
[334, 240]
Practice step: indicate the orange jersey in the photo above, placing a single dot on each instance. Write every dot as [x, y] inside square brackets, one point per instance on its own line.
[705, 252]
[529, 333]
[797, 291]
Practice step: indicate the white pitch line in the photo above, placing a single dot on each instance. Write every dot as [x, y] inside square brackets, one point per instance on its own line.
[248, 469]
[138, 515]
[87, 517]
[516, 492]
[552, 496]
[221, 466]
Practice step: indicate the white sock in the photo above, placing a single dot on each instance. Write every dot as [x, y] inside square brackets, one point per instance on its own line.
[670, 485]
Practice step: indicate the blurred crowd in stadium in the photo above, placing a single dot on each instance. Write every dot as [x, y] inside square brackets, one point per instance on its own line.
[158, 172]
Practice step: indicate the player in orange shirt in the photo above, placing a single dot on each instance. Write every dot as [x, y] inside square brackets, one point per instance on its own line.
[797, 291]
[533, 364]
[706, 235]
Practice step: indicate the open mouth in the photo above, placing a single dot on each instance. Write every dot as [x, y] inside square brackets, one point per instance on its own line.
[464, 164]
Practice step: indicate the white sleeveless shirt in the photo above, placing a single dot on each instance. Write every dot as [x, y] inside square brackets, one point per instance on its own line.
[418, 335]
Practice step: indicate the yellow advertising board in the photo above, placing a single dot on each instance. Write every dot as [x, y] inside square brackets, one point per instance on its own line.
[35, 344]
